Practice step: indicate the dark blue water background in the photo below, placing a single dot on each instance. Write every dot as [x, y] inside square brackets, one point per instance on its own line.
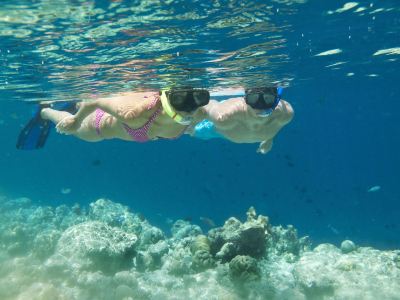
[344, 139]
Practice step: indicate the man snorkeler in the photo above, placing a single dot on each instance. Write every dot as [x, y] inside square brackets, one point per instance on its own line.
[255, 116]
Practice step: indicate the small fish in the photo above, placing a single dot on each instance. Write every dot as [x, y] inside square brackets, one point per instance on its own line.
[65, 191]
[188, 219]
[374, 189]
[333, 229]
[207, 221]
[141, 217]
[96, 162]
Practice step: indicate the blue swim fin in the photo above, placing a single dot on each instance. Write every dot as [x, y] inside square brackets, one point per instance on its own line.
[34, 135]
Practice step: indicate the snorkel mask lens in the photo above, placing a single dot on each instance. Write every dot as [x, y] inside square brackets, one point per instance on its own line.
[262, 98]
[177, 99]
[253, 99]
[188, 100]
[269, 98]
[201, 97]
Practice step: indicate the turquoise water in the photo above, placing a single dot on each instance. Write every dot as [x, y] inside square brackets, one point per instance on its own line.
[333, 172]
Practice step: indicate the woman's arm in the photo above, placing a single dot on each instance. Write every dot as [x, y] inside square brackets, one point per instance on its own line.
[124, 107]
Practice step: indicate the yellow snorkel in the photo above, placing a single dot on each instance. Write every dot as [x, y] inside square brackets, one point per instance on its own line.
[171, 112]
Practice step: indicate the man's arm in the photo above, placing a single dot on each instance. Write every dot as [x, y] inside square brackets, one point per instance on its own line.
[286, 113]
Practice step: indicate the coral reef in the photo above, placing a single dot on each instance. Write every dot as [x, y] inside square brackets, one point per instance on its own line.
[202, 257]
[365, 274]
[243, 268]
[237, 238]
[347, 246]
[107, 252]
[97, 246]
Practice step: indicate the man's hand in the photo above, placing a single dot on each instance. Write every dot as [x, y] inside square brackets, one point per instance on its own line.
[265, 147]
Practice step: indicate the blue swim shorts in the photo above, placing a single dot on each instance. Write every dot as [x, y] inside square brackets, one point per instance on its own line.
[206, 130]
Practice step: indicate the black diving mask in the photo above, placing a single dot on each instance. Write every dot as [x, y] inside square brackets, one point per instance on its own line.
[187, 100]
[264, 98]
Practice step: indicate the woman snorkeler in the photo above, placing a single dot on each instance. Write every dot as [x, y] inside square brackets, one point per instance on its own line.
[139, 117]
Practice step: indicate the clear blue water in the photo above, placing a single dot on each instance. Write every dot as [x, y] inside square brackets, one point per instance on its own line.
[344, 139]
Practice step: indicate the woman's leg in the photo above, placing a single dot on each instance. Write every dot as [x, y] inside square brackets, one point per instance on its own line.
[123, 108]
[86, 131]
[53, 115]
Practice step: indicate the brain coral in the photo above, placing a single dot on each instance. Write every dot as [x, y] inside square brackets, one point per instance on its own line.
[97, 245]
